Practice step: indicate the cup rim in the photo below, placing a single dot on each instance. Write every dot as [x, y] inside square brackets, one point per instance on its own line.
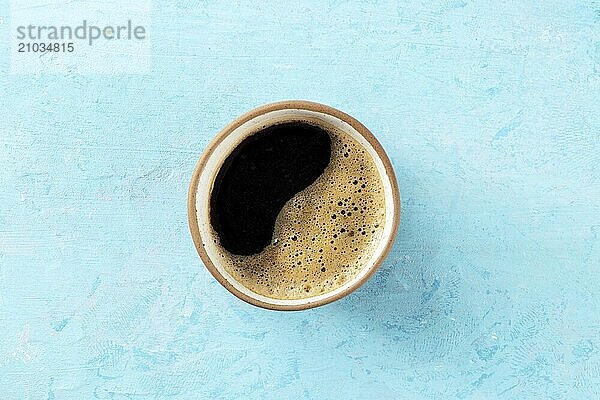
[284, 105]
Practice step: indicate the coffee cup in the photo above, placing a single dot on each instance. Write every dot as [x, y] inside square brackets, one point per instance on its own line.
[293, 205]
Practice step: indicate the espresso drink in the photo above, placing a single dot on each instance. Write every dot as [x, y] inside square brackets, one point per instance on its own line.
[297, 209]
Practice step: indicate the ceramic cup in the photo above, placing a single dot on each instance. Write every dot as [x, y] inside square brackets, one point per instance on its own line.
[221, 147]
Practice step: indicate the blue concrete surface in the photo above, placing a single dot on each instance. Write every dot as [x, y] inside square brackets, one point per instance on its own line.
[490, 112]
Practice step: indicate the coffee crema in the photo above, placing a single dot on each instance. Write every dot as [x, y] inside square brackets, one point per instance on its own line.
[297, 210]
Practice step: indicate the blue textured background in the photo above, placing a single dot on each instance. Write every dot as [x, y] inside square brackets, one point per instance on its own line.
[490, 112]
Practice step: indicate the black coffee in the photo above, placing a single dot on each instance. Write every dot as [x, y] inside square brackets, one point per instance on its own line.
[263, 173]
[297, 210]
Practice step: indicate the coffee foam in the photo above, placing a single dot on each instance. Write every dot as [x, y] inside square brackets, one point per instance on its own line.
[324, 235]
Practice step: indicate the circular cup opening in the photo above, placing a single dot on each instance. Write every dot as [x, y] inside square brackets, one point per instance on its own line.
[229, 138]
